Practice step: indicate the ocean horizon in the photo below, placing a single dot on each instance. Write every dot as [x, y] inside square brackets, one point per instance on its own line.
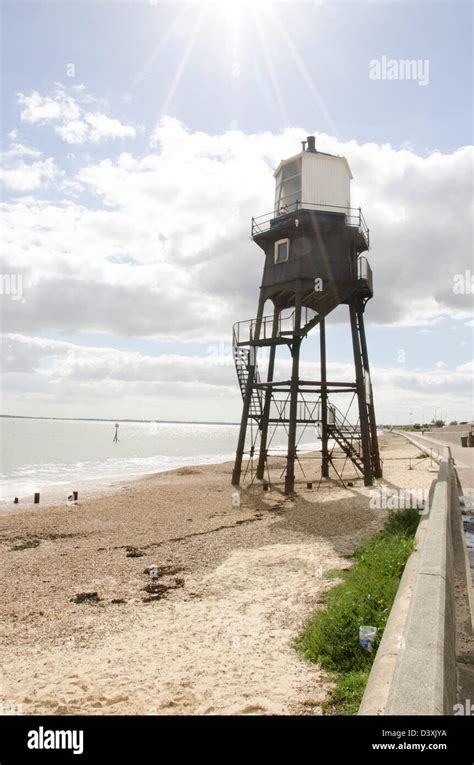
[112, 419]
[39, 453]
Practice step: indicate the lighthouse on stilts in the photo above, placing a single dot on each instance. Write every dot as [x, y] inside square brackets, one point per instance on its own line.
[313, 242]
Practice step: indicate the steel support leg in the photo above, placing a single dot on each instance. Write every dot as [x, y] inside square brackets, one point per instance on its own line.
[324, 401]
[370, 406]
[268, 400]
[295, 350]
[361, 396]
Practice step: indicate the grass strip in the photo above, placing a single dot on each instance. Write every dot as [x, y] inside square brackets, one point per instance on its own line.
[364, 596]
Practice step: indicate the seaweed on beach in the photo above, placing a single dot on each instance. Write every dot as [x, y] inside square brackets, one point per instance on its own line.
[134, 552]
[27, 544]
[157, 591]
[85, 597]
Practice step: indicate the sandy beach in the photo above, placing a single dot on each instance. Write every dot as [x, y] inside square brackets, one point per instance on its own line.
[214, 635]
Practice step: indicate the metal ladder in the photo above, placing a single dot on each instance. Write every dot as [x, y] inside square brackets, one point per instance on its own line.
[347, 437]
[242, 366]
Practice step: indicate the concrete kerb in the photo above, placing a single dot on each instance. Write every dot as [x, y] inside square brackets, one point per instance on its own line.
[376, 694]
[414, 671]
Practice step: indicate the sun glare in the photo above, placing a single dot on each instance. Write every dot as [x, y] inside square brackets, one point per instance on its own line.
[236, 34]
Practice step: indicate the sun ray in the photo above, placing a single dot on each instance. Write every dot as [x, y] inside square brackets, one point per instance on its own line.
[270, 68]
[303, 71]
[184, 60]
[166, 36]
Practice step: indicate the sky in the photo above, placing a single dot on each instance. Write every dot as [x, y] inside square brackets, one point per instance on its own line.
[139, 139]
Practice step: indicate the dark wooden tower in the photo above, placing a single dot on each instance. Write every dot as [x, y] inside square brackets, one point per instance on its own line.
[312, 242]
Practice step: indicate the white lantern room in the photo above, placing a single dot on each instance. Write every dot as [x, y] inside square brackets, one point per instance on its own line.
[313, 179]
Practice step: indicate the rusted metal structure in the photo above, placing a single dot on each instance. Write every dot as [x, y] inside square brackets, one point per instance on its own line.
[313, 263]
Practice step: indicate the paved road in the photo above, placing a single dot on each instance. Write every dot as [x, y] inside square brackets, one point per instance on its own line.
[464, 463]
[463, 458]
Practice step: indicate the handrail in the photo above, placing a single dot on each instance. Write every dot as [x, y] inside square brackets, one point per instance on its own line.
[353, 217]
[340, 420]
[364, 271]
[244, 331]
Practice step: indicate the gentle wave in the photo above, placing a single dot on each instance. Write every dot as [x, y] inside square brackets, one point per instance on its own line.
[36, 454]
[31, 478]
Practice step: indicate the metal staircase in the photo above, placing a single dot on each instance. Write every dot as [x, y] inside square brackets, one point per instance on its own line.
[347, 437]
[243, 367]
[345, 434]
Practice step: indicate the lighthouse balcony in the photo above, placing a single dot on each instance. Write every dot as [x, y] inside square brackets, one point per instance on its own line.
[267, 225]
[246, 332]
[270, 330]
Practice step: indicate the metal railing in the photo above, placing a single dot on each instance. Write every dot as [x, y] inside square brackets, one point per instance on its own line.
[339, 420]
[353, 217]
[307, 411]
[364, 271]
[245, 331]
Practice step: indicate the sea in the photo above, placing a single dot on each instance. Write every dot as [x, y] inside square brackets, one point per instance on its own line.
[37, 454]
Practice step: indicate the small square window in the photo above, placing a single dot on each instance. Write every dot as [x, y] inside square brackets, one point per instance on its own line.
[282, 248]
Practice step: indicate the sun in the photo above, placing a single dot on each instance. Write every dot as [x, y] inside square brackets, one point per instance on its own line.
[236, 32]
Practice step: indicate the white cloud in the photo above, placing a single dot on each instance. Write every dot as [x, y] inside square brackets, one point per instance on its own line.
[179, 216]
[163, 251]
[42, 109]
[19, 150]
[103, 127]
[29, 177]
[77, 123]
[57, 373]
[75, 131]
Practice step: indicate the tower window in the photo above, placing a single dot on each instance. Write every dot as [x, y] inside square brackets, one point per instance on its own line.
[282, 250]
[288, 187]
